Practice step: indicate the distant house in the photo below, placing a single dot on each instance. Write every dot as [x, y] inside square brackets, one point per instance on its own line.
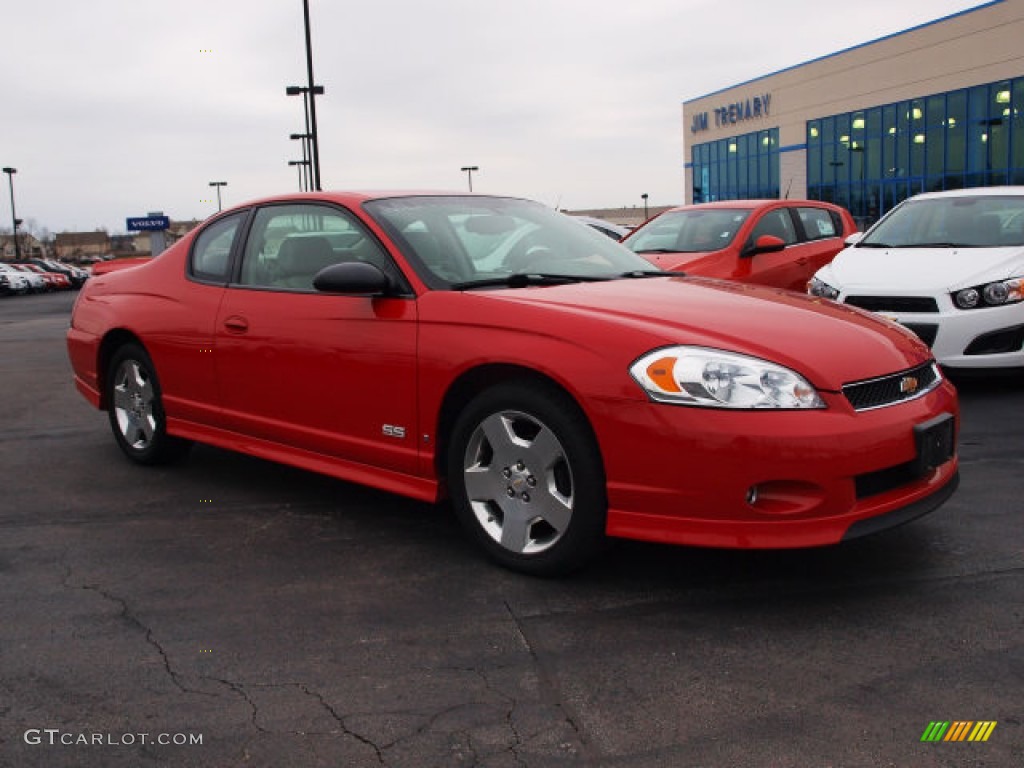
[28, 245]
[74, 246]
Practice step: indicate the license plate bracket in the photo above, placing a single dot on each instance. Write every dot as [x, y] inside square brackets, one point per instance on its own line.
[936, 442]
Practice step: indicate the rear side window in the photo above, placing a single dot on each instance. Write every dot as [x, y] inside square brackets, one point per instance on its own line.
[211, 252]
[819, 223]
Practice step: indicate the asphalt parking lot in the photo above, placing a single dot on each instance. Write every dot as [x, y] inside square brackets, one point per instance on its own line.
[286, 619]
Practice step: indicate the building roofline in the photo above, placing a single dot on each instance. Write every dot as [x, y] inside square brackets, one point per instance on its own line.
[847, 50]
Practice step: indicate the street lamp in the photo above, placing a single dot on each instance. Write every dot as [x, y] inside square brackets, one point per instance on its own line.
[314, 150]
[309, 93]
[305, 154]
[218, 185]
[300, 164]
[468, 169]
[644, 198]
[14, 217]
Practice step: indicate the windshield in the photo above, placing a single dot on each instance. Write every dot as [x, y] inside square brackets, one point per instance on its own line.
[962, 222]
[462, 240]
[696, 230]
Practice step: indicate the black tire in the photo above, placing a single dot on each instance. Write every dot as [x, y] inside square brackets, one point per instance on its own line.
[526, 478]
[135, 409]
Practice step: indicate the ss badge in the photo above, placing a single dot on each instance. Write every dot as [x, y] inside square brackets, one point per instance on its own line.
[390, 430]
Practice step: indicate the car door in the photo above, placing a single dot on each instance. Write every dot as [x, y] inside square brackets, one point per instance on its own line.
[325, 373]
[781, 269]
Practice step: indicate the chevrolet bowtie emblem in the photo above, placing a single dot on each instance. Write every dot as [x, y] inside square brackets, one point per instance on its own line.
[908, 385]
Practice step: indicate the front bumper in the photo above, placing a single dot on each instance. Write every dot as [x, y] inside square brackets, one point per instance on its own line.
[988, 337]
[768, 479]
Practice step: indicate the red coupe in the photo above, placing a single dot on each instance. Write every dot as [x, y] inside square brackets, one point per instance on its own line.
[541, 376]
[781, 243]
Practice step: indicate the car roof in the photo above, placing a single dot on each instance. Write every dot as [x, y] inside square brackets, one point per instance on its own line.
[752, 203]
[973, 192]
[355, 197]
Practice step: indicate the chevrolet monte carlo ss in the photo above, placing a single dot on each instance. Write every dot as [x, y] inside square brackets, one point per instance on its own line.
[544, 378]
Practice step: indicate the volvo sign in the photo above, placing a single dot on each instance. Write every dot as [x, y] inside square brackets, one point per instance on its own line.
[148, 223]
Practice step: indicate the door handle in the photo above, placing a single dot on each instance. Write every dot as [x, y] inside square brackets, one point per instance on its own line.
[236, 323]
[802, 260]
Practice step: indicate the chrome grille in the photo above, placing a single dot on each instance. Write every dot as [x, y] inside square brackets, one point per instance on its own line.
[892, 389]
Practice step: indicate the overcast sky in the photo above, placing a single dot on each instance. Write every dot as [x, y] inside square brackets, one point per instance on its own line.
[114, 108]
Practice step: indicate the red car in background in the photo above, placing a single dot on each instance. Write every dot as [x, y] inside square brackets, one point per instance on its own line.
[541, 376]
[55, 280]
[780, 243]
[103, 267]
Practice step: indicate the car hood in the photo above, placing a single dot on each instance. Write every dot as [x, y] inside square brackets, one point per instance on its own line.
[676, 261]
[830, 344]
[922, 270]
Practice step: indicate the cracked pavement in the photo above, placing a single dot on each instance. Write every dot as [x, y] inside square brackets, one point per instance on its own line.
[294, 620]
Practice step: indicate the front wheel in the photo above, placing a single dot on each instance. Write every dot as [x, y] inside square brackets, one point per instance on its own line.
[136, 410]
[526, 478]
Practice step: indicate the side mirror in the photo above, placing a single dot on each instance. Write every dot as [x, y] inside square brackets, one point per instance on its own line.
[356, 278]
[764, 244]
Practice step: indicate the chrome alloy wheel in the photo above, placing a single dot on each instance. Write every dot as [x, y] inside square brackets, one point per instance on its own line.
[134, 399]
[518, 482]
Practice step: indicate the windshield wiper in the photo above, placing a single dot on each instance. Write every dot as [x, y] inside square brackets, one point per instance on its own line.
[524, 279]
[635, 273]
[659, 250]
[940, 245]
[918, 245]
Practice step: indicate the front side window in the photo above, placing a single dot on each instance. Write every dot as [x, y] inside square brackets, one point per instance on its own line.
[776, 223]
[211, 252]
[290, 244]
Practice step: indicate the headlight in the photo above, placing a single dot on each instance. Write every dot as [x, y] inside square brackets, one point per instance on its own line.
[716, 379]
[993, 294]
[818, 287]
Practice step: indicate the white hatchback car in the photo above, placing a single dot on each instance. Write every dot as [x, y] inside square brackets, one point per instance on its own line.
[17, 281]
[948, 266]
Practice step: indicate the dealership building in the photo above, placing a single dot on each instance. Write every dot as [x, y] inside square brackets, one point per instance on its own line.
[938, 106]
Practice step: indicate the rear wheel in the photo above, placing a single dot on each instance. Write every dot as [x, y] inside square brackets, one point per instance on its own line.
[526, 478]
[136, 411]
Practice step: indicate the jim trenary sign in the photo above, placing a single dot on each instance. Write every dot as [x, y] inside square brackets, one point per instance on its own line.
[752, 108]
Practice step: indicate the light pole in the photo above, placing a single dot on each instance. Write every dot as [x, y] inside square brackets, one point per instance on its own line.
[644, 198]
[308, 107]
[14, 217]
[300, 164]
[305, 154]
[468, 169]
[218, 185]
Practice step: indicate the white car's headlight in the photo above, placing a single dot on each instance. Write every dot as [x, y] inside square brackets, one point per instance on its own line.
[712, 378]
[991, 295]
[818, 287]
